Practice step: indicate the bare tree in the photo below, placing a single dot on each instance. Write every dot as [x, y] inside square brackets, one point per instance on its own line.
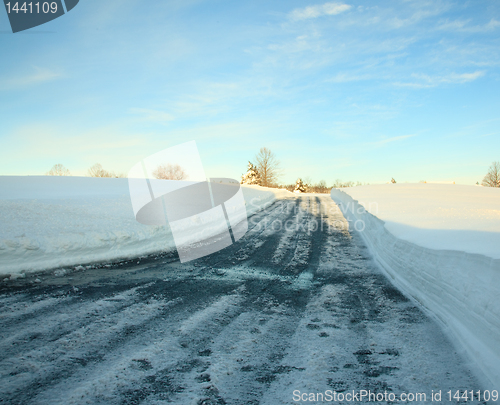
[340, 184]
[58, 170]
[492, 179]
[170, 172]
[268, 167]
[97, 171]
[319, 187]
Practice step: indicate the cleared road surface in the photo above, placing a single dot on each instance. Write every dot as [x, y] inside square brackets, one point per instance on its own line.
[296, 305]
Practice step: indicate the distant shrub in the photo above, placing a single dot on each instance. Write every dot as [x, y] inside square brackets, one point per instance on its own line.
[58, 170]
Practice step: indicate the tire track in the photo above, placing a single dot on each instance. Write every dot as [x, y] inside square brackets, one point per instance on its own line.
[282, 309]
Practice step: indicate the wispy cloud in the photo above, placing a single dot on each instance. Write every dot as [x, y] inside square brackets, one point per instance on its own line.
[480, 129]
[426, 81]
[306, 42]
[463, 26]
[385, 141]
[347, 77]
[318, 11]
[208, 99]
[37, 76]
[464, 77]
[152, 115]
[33, 148]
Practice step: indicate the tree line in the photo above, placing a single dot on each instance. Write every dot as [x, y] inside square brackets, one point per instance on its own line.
[265, 172]
[167, 172]
[94, 171]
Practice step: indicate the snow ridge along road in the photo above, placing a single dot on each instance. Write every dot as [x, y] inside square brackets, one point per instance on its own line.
[277, 311]
[460, 288]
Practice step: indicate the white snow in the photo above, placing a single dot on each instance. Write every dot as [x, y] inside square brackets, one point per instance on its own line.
[437, 216]
[53, 222]
[440, 244]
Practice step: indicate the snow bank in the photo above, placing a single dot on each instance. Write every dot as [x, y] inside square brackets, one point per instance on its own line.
[439, 244]
[49, 222]
[437, 216]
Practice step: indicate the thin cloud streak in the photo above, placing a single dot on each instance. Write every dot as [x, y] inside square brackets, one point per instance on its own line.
[39, 76]
[346, 77]
[152, 115]
[462, 26]
[390, 140]
[318, 11]
[429, 81]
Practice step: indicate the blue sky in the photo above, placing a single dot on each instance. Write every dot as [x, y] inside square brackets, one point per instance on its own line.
[355, 90]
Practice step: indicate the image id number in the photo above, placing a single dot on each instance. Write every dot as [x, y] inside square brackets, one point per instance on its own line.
[32, 8]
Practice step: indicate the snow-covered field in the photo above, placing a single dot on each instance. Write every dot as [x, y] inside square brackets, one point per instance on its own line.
[440, 244]
[55, 222]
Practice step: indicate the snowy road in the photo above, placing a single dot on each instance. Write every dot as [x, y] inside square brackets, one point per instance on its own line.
[296, 307]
